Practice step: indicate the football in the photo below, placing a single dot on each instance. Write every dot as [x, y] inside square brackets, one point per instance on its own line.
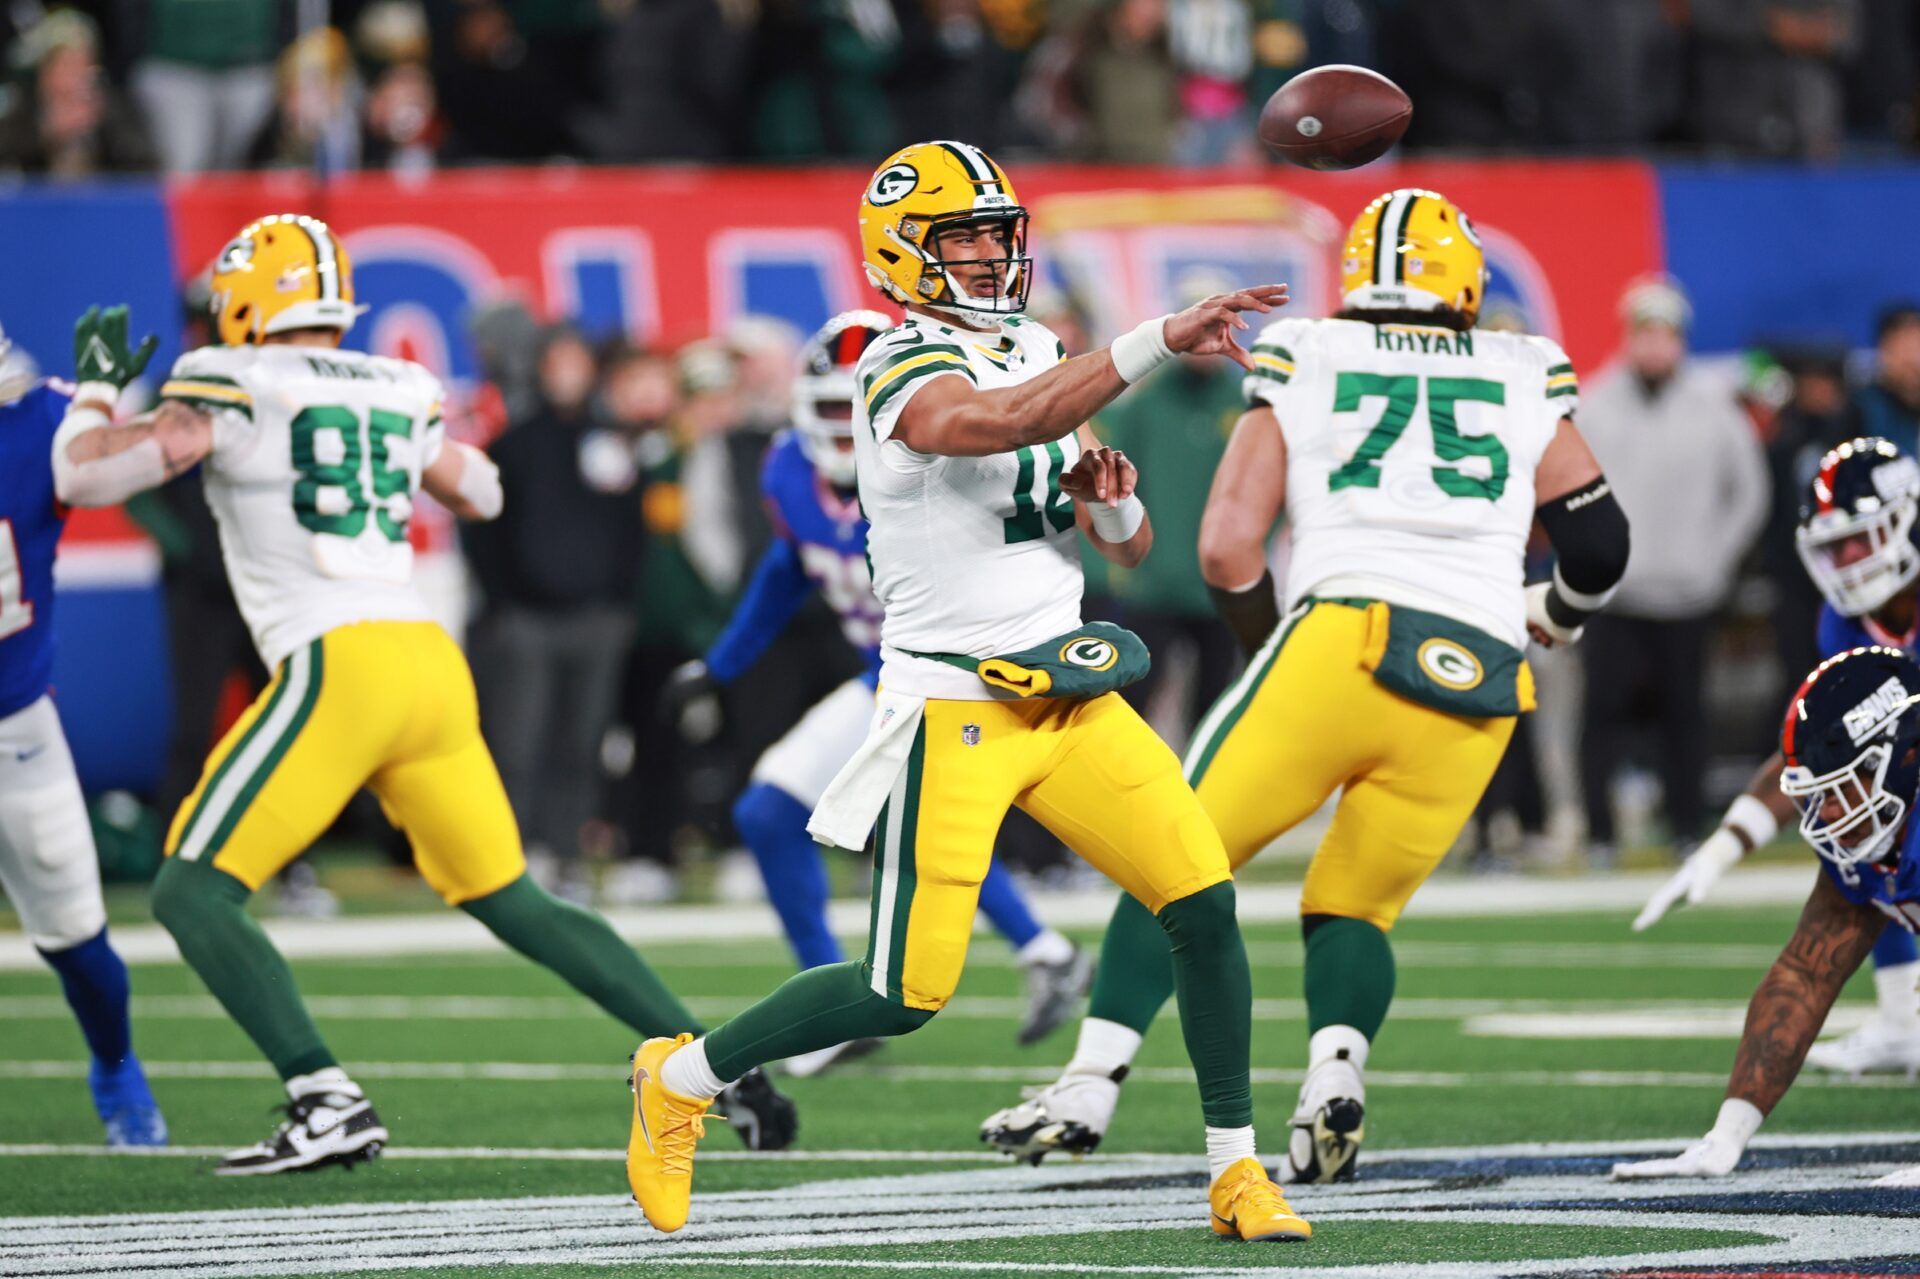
[1336, 117]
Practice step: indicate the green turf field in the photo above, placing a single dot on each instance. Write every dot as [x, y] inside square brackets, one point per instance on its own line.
[506, 1098]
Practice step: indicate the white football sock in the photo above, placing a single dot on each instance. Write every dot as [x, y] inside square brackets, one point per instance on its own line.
[1227, 1147]
[1104, 1047]
[332, 1079]
[1048, 947]
[1328, 1041]
[686, 1072]
[1899, 1000]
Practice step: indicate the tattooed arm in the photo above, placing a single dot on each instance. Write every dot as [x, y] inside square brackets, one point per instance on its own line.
[98, 462]
[1786, 1012]
[1833, 938]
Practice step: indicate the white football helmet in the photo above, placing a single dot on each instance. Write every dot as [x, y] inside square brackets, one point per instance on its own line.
[824, 393]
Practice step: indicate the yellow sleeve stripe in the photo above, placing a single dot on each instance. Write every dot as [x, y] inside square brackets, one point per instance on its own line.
[893, 374]
[1273, 362]
[1563, 379]
[192, 389]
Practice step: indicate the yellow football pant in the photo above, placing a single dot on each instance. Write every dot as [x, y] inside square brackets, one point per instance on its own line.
[386, 705]
[1306, 719]
[1091, 772]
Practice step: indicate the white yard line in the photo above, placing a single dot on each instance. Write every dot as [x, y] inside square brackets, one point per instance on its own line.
[1555, 1018]
[562, 1072]
[451, 932]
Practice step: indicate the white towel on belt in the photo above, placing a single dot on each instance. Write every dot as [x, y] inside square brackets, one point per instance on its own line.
[845, 815]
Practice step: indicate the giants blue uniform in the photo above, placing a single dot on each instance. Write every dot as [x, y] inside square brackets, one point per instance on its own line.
[31, 520]
[1897, 892]
[821, 544]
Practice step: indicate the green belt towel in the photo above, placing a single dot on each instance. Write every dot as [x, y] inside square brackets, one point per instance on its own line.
[1094, 659]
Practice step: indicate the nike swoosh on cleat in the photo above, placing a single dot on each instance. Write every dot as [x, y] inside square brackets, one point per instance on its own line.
[640, 1076]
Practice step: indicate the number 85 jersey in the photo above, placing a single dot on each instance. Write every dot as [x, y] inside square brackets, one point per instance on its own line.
[316, 462]
[1410, 459]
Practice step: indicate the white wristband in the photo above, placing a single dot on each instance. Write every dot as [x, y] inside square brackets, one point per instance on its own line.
[479, 482]
[1118, 523]
[1141, 350]
[1737, 1123]
[104, 394]
[1753, 820]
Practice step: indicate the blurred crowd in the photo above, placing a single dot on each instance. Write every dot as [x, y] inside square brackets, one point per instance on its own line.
[186, 86]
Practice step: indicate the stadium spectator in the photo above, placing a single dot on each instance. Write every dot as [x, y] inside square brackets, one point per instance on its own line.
[1691, 476]
[1889, 406]
[505, 98]
[1212, 46]
[1127, 84]
[674, 71]
[68, 121]
[316, 123]
[559, 572]
[1768, 74]
[205, 77]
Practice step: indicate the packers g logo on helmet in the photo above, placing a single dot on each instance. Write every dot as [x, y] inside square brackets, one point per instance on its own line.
[1413, 250]
[918, 193]
[284, 272]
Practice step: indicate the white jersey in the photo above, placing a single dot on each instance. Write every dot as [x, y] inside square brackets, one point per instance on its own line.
[971, 555]
[1410, 460]
[316, 460]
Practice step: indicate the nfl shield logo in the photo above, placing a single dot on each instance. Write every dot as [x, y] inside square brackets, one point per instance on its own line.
[970, 734]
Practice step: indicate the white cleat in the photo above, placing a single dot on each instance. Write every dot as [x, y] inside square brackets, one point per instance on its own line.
[1068, 1116]
[1874, 1049]
[1328, 1125]
[821, 1060]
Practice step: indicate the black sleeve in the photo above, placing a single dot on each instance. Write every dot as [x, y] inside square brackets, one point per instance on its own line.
[1250, 614]
[1590, 539]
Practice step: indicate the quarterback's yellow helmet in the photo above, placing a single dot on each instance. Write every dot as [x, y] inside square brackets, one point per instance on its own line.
[923, 190]
[1413, 250]
[288, 271]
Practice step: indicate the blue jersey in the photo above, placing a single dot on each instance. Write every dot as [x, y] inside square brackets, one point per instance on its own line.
[1838, 633]
[1894, 890]
[31, 519]
[820, 543]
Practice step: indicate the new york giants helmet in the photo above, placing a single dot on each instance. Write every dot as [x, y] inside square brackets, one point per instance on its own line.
[824, 393]
[1856, 529]
[1851, 743]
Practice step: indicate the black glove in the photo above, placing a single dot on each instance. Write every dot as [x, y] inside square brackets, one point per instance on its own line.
[690, 703]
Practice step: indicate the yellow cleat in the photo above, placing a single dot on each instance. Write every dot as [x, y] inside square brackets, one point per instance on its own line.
[666, 1126]
[1247, 1205]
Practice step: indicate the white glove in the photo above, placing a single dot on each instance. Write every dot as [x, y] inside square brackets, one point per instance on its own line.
[1544, 628]
[1714, 1155]
[1708, 1157]
[1749, 823]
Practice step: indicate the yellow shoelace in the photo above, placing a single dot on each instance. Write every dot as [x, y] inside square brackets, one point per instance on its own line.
[1255, 1191]
[679, 1135]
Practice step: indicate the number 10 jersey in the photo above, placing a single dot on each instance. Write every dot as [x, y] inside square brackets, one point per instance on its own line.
[970, 555]
[1411, 452]
[316, 463]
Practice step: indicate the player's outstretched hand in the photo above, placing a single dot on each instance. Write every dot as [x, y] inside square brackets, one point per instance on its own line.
[101, 351]
[1101, 475]
[1718, 853]
[1207, 327]
[1708, 1157]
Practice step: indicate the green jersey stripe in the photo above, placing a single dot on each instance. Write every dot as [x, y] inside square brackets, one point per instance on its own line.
[213, 406]
[1561, 391]
[217, 795]
[1219, 721]
[914, 375]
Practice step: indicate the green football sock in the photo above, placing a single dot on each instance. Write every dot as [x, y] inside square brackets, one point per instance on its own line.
[811, 1010]
[583, 948]
[1349, 974]
[205, 910]
[1216, 1000]
[1135, 977]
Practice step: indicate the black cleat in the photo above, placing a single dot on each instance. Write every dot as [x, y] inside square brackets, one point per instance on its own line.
[321, 1129]
[764, 1116]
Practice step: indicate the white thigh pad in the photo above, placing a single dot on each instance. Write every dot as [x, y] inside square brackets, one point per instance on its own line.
[803, 761]
[48, 865]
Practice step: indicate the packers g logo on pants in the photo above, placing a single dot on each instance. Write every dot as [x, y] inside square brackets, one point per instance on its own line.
[1089, 653]
[1447, 663]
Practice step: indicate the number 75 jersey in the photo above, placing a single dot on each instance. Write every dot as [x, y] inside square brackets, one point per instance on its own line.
[315, 466]
[1410, 459]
